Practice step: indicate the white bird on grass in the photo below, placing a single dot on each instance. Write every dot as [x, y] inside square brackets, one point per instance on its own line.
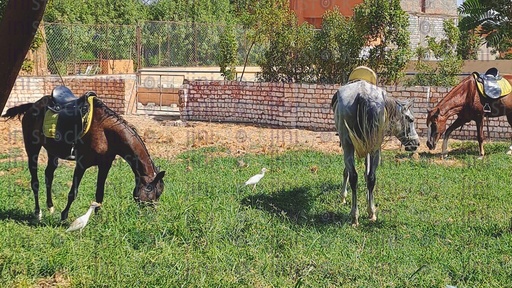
[256, 178]
[81, 221]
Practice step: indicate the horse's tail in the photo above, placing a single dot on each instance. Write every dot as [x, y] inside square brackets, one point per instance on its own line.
[368, 134]
[334, 101]
[17, 110]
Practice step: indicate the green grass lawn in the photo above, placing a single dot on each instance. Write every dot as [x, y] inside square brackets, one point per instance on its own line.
[438, 224]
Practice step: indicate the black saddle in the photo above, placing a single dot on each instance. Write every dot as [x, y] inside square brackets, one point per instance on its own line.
[71, 111]
[490, 83]
[61, 95]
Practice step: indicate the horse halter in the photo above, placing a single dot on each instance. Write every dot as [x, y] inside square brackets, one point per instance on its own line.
[409, 133]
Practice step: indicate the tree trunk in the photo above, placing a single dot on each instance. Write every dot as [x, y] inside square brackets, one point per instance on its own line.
[17, 29]
[246, 58]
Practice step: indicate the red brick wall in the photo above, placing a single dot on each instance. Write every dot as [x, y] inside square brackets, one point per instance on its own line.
[303, 106]
[115, 91]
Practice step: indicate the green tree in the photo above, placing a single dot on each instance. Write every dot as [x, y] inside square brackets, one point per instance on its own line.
[289, 57]
[492, 19]
[385, 28]
[444, 71]
[337, 48]
[228, 53]
[96, 11]
[204, 11]
[468, 45]
[261, 19]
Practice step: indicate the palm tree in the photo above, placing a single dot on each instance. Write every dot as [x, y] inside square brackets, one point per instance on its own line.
[491, 19]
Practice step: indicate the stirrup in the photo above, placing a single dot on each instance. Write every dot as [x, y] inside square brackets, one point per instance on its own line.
[487, 108]
[72, 154]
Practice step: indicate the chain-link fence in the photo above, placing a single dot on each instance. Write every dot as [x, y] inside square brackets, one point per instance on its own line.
[90, 49]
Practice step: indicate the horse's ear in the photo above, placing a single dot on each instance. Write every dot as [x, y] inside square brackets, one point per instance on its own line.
[436, 113]
[159, 176]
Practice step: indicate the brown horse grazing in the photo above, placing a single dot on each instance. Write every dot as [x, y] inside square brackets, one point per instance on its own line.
[465, 101]
[109, 135]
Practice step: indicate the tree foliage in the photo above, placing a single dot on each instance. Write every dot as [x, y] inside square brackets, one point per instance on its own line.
[444, 71]
[204, 11]
[384, 25]
[290, 54]
[228, 51]
[337, 48]
[492, 19]
[261, 19]
[329, 55]
[286, 51]
[468, 45]
[96, 11]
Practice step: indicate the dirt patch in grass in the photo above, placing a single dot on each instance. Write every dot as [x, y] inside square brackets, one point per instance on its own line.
[168, 138]
[57, 280]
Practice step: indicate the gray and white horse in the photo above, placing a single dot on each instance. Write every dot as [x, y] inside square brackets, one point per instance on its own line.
[363, 115]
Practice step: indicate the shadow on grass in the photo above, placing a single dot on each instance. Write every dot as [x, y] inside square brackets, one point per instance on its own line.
[469, 148]
[29, 219]
[18, 216]
[294, 205]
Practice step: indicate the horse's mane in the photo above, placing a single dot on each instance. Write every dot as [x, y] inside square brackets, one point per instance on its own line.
[391, 108]
[119, 119]
[112, 114]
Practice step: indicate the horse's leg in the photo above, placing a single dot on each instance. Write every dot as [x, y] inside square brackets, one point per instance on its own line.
[33, 155]
[370, 184]
[102, 178]
[344, 186]
[73, 192]
[456, 124]
[53, 162]
[509, 119]
[480, 137]
[348, 155]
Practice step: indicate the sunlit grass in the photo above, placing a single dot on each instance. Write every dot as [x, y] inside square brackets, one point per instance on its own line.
[438, 224]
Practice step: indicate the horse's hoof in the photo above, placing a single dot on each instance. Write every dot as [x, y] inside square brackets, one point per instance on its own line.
[480, 158]
[355, 224]
[373, 218]
[38, 215]
[51, 209]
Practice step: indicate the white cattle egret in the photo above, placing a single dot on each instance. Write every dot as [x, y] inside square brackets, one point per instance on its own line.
[81, 221]
[256, 178]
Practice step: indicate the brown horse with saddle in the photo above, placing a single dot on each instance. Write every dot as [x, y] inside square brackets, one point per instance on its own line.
[87, 131]
[476, 97]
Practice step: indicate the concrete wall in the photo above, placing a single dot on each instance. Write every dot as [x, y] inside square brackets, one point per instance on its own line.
[304, 106]
[115, 90]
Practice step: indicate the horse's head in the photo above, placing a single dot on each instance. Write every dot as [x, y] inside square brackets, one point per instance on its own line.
[403, 127]
[149, 192]
[436, 125]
